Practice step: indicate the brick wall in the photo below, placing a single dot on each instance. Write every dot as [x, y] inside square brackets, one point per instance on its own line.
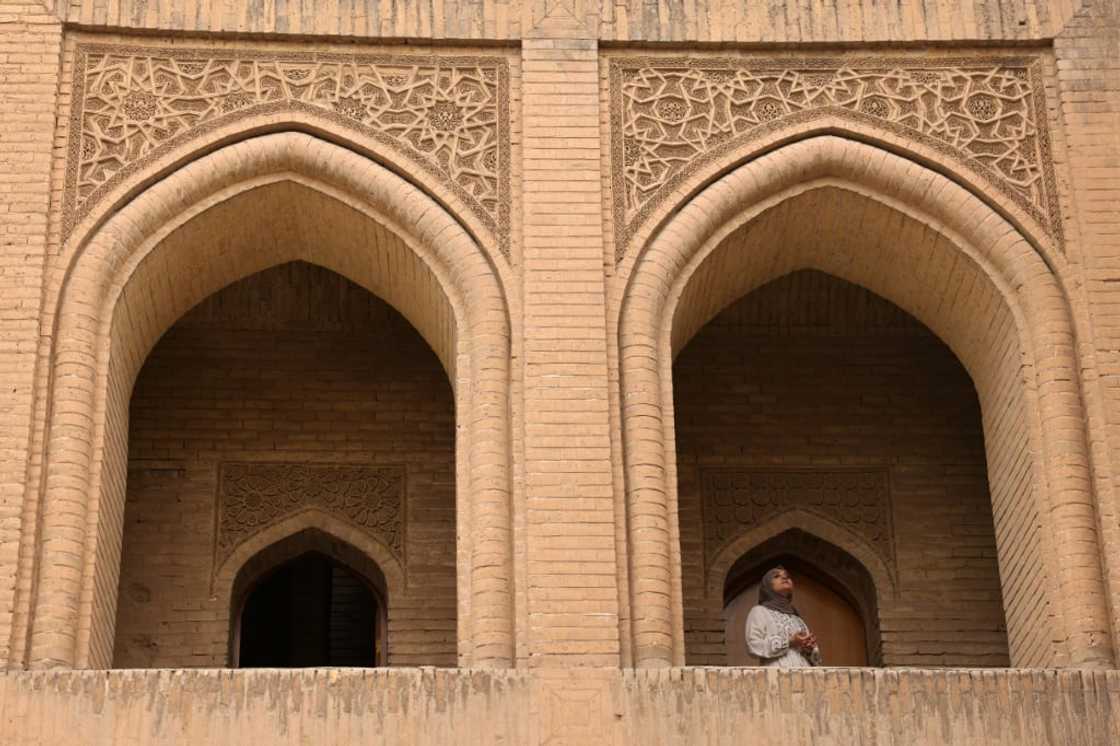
[294, 364]
[1088, 100]
[589, 707]
[30, 43]
[574, 537]
[621, 20]
[810, 371]
[573, 606]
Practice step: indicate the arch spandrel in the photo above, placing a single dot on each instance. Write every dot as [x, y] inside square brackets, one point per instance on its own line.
[95, 360]
[673, 133]
[140, 112]
[1036, 376]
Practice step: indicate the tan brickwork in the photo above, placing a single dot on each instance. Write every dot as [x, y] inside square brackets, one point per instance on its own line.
[531, 186]
[573, 608]
[293, 365]
[842, 21]
[1088, 102]
[713, 252]
[813, 375]
[30, 45]
[702, 21]
[591, 707]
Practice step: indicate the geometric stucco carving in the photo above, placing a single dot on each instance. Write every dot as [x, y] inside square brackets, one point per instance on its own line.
[254, 496]
[670, 116]
[448, 116]
[736, 500]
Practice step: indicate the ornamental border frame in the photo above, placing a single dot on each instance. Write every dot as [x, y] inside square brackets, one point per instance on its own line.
[73, 211]
[625, 231]
[890, 559]
[217, 562]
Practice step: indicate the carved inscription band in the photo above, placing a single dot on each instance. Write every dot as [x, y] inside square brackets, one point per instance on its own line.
[671, 116]
[734, 501]
[254, 496]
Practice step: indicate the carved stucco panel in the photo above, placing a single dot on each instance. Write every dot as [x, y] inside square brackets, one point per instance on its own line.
[254, 496]
[446, 115]
[737, 500]
[672, 116]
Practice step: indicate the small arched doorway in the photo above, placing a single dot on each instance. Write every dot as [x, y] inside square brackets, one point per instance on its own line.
[833, 617]
[309, 600]
[310, 611]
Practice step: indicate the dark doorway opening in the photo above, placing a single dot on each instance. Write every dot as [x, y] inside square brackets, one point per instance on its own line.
[309, 611]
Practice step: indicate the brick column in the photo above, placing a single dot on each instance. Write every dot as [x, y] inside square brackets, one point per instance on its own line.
[1088, 61]
[573, 589]
[30, 43]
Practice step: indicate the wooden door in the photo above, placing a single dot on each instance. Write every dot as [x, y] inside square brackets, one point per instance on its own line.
[837, 624]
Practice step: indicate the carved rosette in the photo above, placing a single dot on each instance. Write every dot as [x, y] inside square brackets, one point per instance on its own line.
[448, 116]
[252, 497]
[670, 117]
[737, 500]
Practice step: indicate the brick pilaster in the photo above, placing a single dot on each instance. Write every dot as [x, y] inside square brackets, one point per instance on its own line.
[573, 592]
[1088, 65]
[30, 42]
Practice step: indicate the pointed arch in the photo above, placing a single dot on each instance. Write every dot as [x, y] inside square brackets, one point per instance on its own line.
[187, 236]
[851, 567]
[311, 531]
[318, 522]
[908, 234]
[813, 525]
[165, 161]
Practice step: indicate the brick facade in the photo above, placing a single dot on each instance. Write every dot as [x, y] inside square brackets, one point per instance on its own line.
[652, 262]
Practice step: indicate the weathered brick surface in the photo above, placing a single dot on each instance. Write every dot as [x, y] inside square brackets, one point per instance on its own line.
[619, 20]
[590, 707]
[30, 43]
[814, 374]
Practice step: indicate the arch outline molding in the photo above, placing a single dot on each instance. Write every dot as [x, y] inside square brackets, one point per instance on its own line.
[1034, 373]
[461, 313]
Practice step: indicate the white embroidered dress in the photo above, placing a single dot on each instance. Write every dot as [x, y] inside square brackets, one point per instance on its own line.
[768, 634]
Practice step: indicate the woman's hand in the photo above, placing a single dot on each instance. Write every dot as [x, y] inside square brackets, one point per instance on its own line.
[804, 641]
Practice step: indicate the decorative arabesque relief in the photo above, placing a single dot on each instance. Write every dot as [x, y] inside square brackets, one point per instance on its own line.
[252, 497]
[737, 500]
[446, 115]
[672, 116]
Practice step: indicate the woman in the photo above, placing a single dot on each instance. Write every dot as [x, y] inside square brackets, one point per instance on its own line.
[776, 633]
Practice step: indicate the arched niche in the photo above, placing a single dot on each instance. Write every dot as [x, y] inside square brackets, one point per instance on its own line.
[310, 531]
[309, 541]
[233, 212]
[826, 565]
[928, 245]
